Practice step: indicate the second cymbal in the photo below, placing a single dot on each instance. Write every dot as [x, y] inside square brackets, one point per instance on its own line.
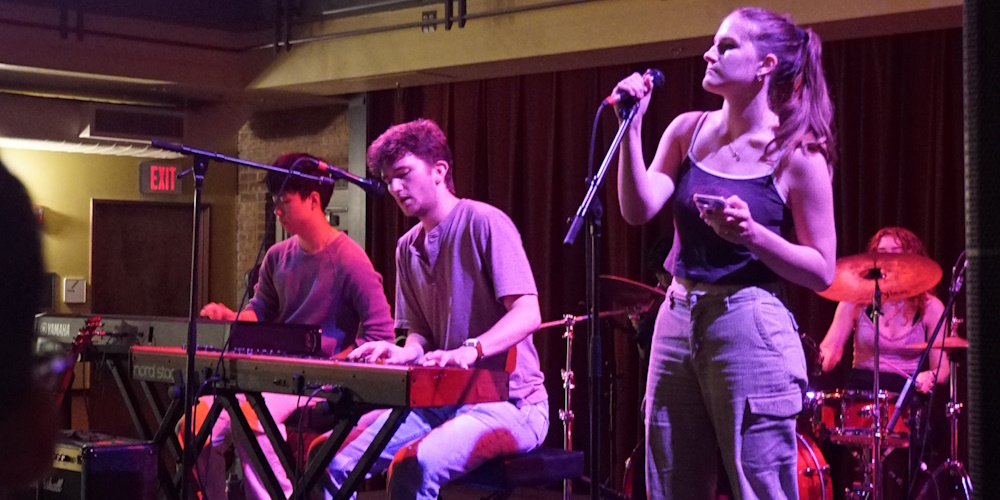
[950, 344]
[622, 292]
[620, 296]
[899, 276]
[568, 320]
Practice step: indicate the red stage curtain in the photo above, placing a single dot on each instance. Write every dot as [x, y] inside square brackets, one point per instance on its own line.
[521, 144]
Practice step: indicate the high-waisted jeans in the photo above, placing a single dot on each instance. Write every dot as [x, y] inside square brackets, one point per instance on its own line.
[726, 372]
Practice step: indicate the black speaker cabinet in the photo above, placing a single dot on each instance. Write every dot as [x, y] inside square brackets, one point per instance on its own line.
[92, 466]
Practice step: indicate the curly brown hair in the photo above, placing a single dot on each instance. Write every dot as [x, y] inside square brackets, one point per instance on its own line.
[910, 244]
[908, 241]
[422, 138]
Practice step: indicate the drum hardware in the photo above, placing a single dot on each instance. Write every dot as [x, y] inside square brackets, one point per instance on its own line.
[878, 275]
[948, 344]
[866, 411]
[951, 474]
[953, 348]
[622, 297]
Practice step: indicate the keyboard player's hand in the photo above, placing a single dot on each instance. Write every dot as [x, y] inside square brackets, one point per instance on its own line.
[384, 352]
[217, 311]
[462, 357]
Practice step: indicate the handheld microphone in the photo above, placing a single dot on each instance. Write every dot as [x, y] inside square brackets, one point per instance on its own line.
[655, 75]
[371, 186]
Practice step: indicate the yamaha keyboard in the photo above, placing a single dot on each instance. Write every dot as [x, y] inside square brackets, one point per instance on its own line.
[120, 332]
[373, 384]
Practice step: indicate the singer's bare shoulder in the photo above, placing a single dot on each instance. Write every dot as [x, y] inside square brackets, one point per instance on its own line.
[674, 143]
[802, 168]
[682, 128]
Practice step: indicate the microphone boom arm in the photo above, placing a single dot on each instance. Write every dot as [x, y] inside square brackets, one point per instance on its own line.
[201, 153]
[597, 180]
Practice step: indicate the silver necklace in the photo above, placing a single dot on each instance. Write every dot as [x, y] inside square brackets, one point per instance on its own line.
[736, 156]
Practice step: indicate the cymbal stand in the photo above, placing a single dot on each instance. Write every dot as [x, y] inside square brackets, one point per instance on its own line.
[958, 477]
[875, 464]
[870, 487]
[566, 413]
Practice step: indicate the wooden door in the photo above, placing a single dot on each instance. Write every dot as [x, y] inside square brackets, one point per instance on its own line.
[141, 258]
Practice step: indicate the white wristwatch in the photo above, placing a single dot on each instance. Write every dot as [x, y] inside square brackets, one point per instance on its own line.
[474, 343]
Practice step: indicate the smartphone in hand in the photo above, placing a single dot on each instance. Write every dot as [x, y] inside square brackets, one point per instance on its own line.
[707, 201]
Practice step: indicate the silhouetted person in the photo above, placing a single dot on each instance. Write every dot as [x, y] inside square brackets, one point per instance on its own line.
[27, 412]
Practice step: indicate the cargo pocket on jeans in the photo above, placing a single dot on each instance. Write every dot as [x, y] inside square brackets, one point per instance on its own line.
[781, 405]
[769, 430]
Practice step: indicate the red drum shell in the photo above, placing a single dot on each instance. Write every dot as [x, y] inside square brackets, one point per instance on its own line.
[846, 416]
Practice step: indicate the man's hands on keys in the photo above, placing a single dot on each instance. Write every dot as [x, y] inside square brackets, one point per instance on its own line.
[391, 354]
[385, 352]
[463, 357]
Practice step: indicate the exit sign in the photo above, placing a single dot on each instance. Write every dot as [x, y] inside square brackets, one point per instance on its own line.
[159, 177]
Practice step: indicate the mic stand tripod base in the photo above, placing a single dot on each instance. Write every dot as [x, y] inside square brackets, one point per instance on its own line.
[604, 492]
[949, 481]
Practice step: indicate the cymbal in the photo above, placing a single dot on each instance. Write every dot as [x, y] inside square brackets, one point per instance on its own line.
[619, 292]
[899, 275]
[950, 344]
[621, 296]
[584, 317]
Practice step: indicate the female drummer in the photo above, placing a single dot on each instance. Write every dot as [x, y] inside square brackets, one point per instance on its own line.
[902, 325]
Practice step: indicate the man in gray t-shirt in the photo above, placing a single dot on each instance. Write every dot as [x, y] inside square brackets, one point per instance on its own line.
[466, 295]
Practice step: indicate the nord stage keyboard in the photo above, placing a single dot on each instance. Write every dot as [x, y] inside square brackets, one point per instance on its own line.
[374, 384]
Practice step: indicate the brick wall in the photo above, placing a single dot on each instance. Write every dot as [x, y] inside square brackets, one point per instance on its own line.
[322, 132]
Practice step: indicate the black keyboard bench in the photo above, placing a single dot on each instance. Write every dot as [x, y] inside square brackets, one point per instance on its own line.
[541, 466]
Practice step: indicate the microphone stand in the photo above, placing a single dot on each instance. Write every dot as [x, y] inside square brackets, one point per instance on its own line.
[199, 169]
[590, 212]
[956, 285]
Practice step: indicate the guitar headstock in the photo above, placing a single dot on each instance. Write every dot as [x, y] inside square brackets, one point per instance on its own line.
[90, 329]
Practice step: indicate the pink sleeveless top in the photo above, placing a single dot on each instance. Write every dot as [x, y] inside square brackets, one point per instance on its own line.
[895, 359]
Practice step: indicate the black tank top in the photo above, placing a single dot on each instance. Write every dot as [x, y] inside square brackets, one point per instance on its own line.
[698, 254]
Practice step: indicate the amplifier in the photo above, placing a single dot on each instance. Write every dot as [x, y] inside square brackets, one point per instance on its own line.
[92, 466]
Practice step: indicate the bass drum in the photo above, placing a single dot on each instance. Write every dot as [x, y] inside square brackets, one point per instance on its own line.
[815, 482]
[813, 472]
[634, 481]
